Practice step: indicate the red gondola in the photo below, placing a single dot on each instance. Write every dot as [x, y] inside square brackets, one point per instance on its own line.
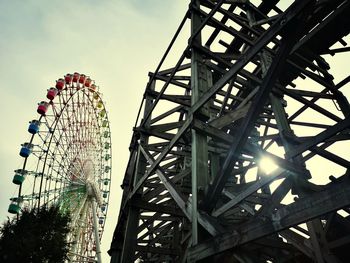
[60, 84]
[51, 93]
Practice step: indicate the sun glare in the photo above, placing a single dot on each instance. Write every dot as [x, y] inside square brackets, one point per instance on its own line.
[267, 165]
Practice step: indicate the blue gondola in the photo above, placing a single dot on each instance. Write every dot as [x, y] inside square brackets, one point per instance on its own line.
[34, 127]
[26, 149]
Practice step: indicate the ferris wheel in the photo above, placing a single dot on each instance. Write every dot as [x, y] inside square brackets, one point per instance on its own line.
[67, 161]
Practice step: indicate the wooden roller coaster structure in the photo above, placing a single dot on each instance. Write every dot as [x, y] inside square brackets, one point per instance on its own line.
[240, 150]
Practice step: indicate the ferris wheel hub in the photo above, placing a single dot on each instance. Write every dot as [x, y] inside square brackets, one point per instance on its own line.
[94, 192]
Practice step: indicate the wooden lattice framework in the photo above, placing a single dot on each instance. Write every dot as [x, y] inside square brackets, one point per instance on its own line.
[253, 84]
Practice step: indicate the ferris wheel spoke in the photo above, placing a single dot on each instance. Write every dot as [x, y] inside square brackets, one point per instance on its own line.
[49, 192]
[69, 144]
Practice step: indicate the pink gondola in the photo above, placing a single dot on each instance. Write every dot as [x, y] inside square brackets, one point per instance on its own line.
[42, 107]
[76, 77]
[51, 93]
[68, 78]
[60, 84]
[82, 79]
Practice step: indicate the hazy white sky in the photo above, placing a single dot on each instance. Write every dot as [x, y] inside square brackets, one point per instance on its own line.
[115, 42]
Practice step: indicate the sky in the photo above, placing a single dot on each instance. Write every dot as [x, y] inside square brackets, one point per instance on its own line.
[115, 42]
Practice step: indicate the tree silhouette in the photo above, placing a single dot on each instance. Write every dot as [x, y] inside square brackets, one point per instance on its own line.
[36, 236]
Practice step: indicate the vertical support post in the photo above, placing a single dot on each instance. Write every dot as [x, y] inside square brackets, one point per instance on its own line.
[130, 237]
[97, 237]
[200, 78]
[194, 190]
[116, 256]
[77, 223]
[196, 138]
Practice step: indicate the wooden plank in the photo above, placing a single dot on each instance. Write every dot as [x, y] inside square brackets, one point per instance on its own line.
[230, 117]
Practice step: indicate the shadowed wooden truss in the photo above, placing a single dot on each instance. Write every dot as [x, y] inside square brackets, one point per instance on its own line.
[242, 151]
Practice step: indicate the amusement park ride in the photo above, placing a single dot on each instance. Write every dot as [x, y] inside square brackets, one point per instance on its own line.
[67, 161]
[255, 82]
